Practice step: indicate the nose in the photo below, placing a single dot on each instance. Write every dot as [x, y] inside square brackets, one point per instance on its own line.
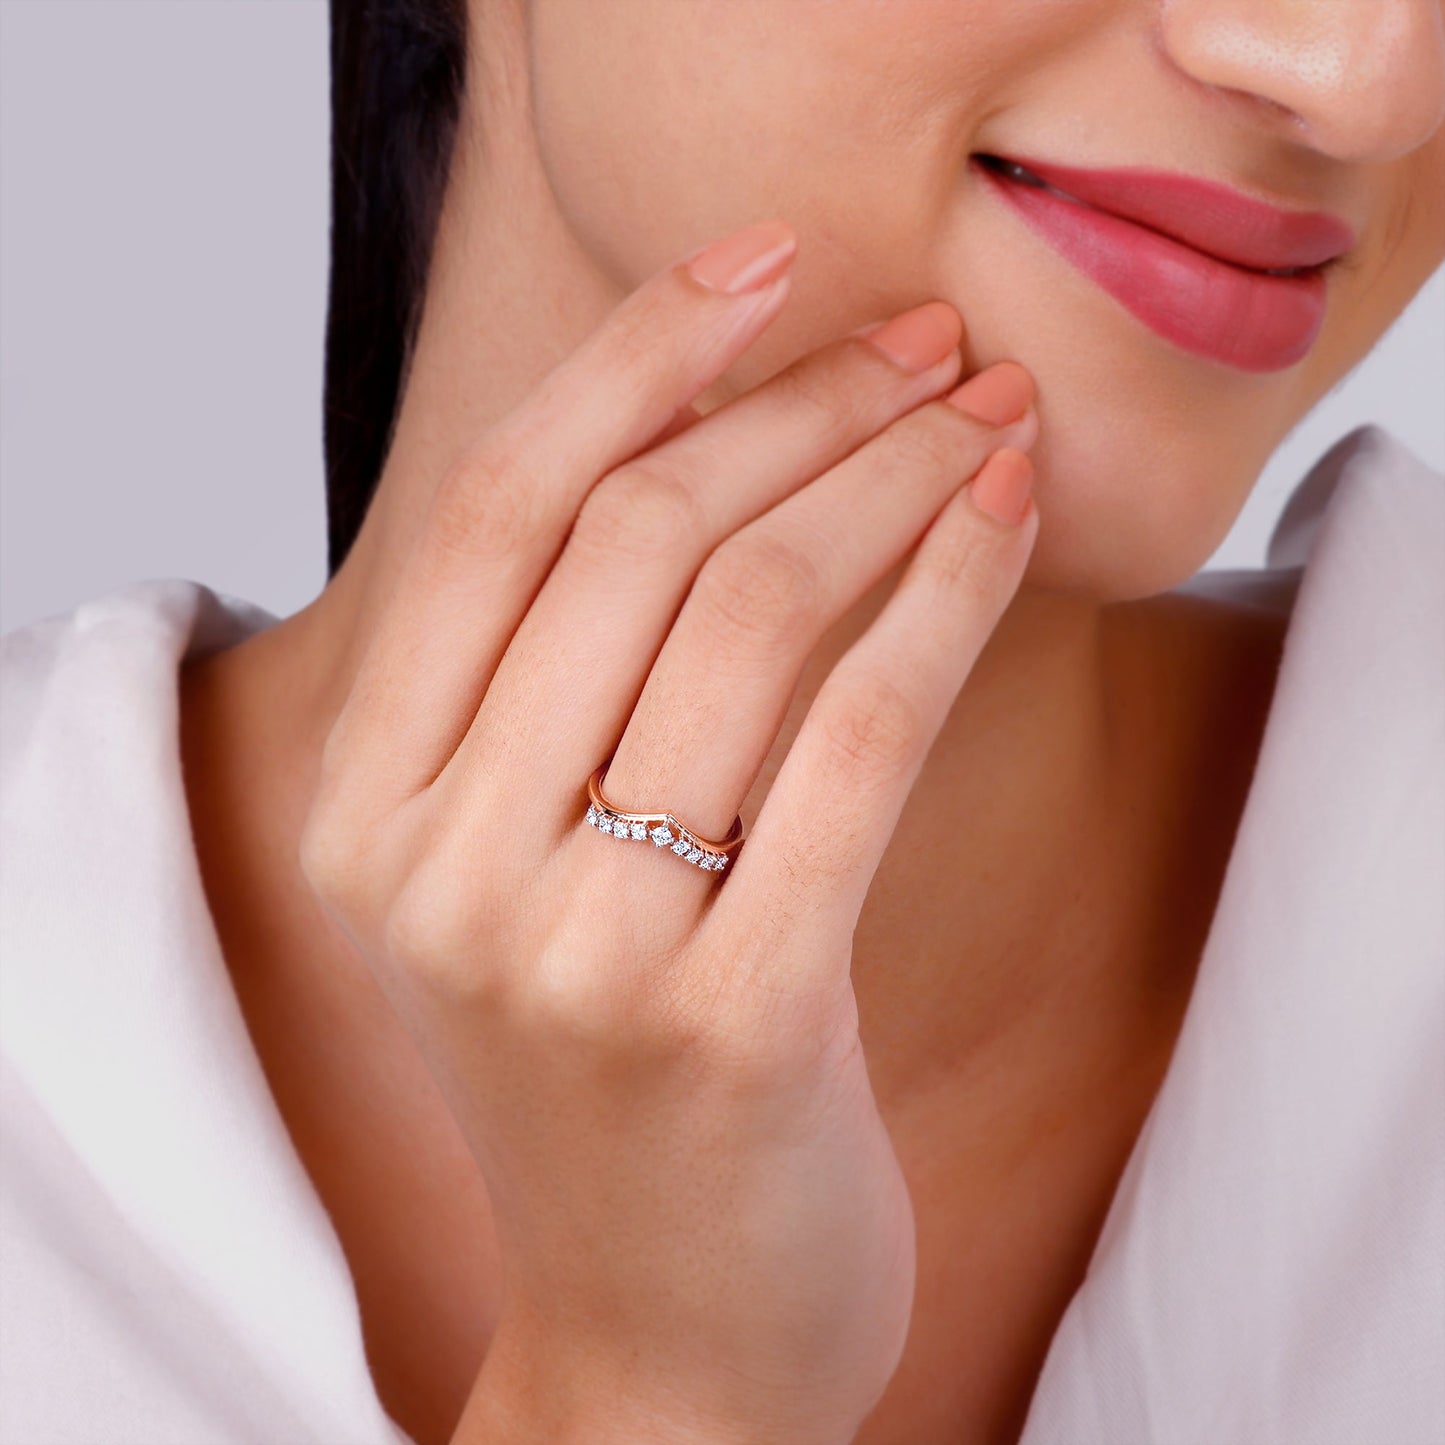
[1359, 80]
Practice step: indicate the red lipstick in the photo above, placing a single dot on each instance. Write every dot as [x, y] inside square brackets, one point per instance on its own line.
[1188, 257]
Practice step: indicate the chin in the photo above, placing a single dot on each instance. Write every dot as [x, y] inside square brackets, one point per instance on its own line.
[1120, 516]
[1142, 463]
[1138, 476]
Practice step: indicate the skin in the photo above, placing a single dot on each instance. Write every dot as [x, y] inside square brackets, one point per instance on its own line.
[1074, 818]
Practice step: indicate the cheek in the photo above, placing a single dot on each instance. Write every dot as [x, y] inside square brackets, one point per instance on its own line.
[656, 125]
[661, 123]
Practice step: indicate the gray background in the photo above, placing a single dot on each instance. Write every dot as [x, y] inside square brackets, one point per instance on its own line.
[163, 214]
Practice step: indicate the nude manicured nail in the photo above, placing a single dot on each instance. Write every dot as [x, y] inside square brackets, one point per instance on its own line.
[747, 260]
[999, 394]
[1024, 432]
[917, 339]
[1003, 484]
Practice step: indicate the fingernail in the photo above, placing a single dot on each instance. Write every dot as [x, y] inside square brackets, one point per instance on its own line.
[917, 339]
[1002, 486]
[1024, 432]
[745, 261]
[999, 394]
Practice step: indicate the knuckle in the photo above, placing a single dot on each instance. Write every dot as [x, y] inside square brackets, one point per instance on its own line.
[816, 388]
[760, 587]
[637, 513]
[432, 930]
[487, 503]
[599, 1005]
[337, 763]
[923, 442]
[872, 734]
[965, 563]
[332, 863]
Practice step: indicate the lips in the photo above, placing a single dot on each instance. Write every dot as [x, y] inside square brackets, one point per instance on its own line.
[1215, 219]
[1189, 258]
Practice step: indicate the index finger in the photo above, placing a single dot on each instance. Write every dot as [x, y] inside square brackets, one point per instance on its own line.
[499, 515]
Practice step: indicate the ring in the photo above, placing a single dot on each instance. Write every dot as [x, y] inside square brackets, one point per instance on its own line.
[663, 828]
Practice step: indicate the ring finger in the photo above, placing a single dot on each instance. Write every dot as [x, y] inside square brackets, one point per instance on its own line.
[567, 686]
[721, 686]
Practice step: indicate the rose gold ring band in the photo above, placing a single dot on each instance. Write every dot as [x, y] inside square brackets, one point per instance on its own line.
[662, 828]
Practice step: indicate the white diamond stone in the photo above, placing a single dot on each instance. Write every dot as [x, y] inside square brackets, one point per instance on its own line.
[620, 828]
[681, 847]
[605, 823]
[639, 829]
[591, 815]
[694, 855]
[661, 835]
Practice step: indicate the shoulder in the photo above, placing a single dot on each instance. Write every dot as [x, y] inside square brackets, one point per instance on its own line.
[1367, 526]
[1357, 759]
[1354, 569]
[102, 675]
[94, 830]
[1371, 491]
[100, 902]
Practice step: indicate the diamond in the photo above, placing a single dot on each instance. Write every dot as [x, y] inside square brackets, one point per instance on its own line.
[681, 847]
[619, 828]
[694, 855]
[661, 835]
[639, 829]
[591, 815]
[605, 823]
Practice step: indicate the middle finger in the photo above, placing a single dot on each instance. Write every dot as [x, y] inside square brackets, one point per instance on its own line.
[577, 667]
[722, 684]
[565, 686]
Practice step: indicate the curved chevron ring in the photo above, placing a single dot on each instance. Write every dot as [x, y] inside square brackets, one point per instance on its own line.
[662, 828]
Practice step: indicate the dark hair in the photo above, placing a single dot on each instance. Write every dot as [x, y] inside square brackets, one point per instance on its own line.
[397, 72]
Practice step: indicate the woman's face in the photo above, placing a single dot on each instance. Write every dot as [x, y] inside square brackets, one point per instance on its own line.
[662, 123]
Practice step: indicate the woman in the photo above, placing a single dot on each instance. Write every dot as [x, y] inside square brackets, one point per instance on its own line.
[360, 1090]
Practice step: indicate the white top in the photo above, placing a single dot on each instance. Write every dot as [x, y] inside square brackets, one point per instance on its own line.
[1272, 1268]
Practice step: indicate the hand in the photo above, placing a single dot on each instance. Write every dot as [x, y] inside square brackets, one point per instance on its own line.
[705, 1231]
